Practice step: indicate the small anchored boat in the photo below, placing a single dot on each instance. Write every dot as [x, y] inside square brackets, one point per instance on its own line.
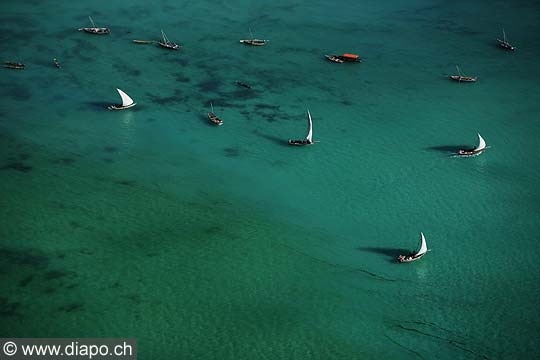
[143, 41]
[462, 78]
[95, 30]
[168, 44]
[213, 117]
[477, 150]
[56, 63]
[127, 102]
[334, 58]
[256, 42]
[417, 254]
[253, 41]
[505, 44]
[239, 83]
[309, 137]
[343, 58]
[14, 65]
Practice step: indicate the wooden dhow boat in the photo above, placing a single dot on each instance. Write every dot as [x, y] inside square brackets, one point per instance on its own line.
[127, 102]
[253, 41]
[243, 84]
[477, 150]
[462, 78]
[14, 65]
[143, 41]
[505, 44]
[334, 58]
[168, 44]
[309, 137]
[95, 30]
[344, 58]
[213, 117]
[417, 254]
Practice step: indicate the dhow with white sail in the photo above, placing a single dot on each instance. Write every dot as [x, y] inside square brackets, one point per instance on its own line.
[417, 254]
[127, 102]
[477, 150]
[309, 137]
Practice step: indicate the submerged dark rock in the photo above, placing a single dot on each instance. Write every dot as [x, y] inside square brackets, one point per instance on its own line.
[7, 308]
[64, 161]
[26, 280]
[22, 258]
[71, 307]
[126, 182]
[57, 274]
[232, 152]
[110, 149]
[17, 166]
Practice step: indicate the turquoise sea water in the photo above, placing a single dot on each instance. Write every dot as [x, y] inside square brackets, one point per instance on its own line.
[209, 242]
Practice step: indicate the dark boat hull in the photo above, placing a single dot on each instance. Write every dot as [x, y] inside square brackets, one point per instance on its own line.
[506, 45]
[120, 107]
[462, 78]
[334, 58]
[300, 142]
[340, 59]
[254, 42]
[169, 46]
[239, 83]
[14, 65]
[407, 259]
[469, 152]
[214, 119]
[96, 31]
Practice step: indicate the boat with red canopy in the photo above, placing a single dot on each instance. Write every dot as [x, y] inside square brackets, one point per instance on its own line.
[340, 59]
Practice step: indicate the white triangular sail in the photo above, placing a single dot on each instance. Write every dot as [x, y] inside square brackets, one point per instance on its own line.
[126, 100]
[481, 143]
[309, 136]
[423, 246]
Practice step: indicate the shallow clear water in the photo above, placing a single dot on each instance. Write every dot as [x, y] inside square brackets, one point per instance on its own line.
[223, 243]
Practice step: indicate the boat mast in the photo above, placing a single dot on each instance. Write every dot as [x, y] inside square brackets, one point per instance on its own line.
[459, 71]
[250, 34]
[165, 40]
[92, 21]
[212, 107]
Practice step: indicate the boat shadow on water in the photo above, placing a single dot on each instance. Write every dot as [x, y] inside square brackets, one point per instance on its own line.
[97, 105]
[391, 253]
[274, 139]
[449, 149]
